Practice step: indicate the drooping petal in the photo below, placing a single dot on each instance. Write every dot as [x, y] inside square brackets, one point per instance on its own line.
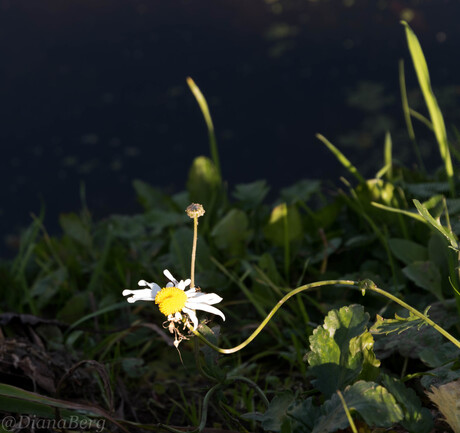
[207, 298]
[192, 316]
[204, 307]
[169, 276]
[139, 295]
[155, 287]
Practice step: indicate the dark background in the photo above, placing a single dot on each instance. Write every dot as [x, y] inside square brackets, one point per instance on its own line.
[94, 92]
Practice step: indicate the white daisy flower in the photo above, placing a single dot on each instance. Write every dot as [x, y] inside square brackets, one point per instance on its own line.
[173, 299]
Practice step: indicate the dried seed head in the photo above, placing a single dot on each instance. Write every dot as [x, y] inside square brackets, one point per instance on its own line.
[195, 210]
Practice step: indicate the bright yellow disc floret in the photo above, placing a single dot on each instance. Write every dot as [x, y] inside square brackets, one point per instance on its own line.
[170, 300]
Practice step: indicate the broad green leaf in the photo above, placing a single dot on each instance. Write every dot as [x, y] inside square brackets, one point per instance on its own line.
[373, 402]
[305, 413]
[407, 251]
[45, 288]
[437, 119]
[232, 232]
[149, 197]
[444, 374]
[268, 265]
[416, 419]
[440, 354]
[203, 182]
[425, 275]
[128, 227]
[158, 220]
[75, 307]
[300, 191]
[284, 223]
[251, 194]
[342, 350]
[74, 228]
[276, 413]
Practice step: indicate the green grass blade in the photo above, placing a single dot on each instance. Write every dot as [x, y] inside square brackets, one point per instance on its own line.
[207, 117]
[407, 114]
[400, 211]
[342, 158]
[437, 119]
[421, 118]
[388, 156]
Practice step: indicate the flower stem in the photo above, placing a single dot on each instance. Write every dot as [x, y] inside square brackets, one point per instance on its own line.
[270, 315]
[362, 285]
[195, 239]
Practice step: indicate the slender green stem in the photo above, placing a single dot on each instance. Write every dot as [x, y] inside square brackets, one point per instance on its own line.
[362, 285]
[195, 238]
[271, 314]
[347, 412]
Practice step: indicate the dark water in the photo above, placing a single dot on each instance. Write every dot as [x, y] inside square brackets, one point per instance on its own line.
[95, 92]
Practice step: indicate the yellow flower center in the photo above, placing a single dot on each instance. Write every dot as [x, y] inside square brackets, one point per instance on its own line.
[170, 300]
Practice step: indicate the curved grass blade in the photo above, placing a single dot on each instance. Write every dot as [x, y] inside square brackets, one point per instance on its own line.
[342, 158]
[207, 118]
[437, 119]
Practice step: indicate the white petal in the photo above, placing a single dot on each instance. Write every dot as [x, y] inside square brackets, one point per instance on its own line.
[139, 295]
[204, 307]
[169, 276]
[183, 284]
[207, 298]
[192, 316]
[144, 283]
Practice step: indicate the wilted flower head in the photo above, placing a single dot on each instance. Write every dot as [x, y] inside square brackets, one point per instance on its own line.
[174, 301]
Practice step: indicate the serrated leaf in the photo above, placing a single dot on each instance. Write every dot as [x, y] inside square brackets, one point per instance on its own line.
[416, 419]
[341, 350]
[407, 251]
[373, 402]
[425, 275]
[232, 232]
[398, 324]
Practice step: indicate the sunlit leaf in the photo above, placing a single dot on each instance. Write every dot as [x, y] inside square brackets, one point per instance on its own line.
[342, 350]
[284, 223]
